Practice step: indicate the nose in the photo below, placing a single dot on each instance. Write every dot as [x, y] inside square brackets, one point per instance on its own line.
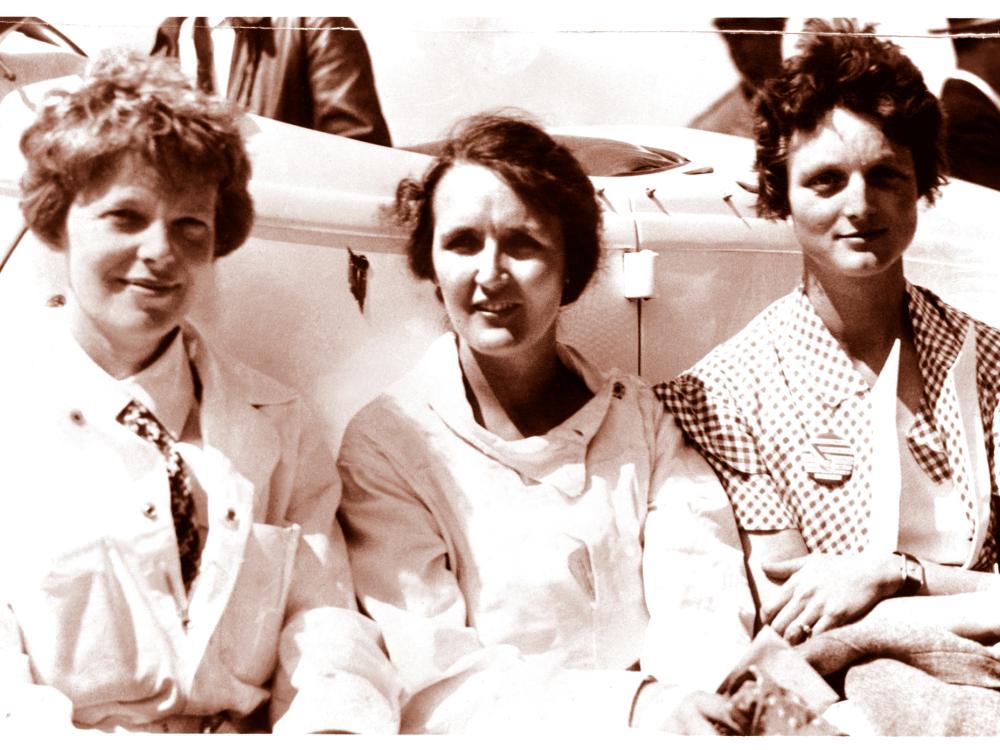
[490, 268]
[857, 199]
[155, 246]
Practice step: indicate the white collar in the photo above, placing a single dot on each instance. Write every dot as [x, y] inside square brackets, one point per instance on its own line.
[166, 386]
[557, 458]
[971, 78]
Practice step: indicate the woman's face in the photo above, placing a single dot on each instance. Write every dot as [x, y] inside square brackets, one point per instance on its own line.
[853, 196]
[137, 251]
[499, 264]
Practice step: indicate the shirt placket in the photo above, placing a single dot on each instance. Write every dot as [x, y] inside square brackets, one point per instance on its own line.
[831, 404]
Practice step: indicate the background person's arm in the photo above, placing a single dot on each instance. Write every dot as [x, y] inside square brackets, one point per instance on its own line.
[345, 100]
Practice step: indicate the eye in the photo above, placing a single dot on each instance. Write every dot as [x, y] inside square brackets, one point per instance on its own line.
[522, 244]
[885, 175]
[826, 182]
[463, 242]
[194, 230]
[195, 235]
[126, 219]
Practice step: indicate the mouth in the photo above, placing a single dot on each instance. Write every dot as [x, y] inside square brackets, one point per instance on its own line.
[152, 286]
[863, 236]
[495, 308]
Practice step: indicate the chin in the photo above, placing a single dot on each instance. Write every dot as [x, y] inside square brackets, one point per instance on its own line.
[493, 343]
[148, 325]
[861, 264]
[869, 267]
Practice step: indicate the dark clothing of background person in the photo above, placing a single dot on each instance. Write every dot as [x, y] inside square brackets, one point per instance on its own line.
[309, 71]
[973, 116]
[757, 57]
[973, 141]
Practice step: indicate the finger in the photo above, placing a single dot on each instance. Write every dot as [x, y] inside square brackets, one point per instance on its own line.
[824, 623]
[799, 631]
[782, 569]
[774, 607]
[807, 624]
[783, 619]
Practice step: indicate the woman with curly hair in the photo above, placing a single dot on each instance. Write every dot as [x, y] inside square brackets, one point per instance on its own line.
[853, 422]
[171, 553]
[538, 543]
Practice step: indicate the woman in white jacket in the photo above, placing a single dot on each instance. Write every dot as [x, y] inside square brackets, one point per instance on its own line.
[171, 556]
[537, 542]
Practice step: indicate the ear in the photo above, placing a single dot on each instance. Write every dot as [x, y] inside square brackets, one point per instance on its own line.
[52, 229]
[57, 241]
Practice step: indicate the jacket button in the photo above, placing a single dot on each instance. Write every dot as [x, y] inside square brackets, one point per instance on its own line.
[56, 300]
[230, 519]
[149, 511]
[76, 416]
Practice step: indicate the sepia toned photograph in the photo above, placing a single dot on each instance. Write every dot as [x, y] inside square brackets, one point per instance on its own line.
[488, 372]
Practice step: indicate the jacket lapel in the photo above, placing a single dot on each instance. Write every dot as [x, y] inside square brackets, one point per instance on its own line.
[244, 448]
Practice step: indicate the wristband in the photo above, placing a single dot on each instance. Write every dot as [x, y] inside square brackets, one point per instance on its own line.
[911, 572]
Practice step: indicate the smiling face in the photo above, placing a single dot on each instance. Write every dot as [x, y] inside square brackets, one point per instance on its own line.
[137, 250]
[499, 264]
[853, 196]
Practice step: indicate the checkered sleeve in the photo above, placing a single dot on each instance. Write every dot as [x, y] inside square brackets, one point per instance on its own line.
[713, 422]
[988, 354]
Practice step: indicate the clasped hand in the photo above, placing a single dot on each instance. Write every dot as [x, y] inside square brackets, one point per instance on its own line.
[822, 591]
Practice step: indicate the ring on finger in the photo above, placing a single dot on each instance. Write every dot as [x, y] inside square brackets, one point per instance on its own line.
[806, 631]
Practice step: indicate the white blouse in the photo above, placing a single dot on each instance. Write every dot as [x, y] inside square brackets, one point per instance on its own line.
[934, 525]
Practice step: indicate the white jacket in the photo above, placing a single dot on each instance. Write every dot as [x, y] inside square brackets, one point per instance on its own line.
[89, 572]
[534, 583]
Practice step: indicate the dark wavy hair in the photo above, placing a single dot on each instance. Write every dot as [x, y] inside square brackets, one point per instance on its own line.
[131, 104]
[543, 173]
[840, 64]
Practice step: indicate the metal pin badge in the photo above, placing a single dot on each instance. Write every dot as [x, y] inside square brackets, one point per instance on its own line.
[829, 458]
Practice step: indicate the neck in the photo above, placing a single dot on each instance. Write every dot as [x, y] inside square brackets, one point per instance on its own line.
[866, 315]
[515, 383]
[118, 360]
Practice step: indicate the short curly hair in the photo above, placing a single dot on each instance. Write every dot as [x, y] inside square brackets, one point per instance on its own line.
[542, 172]
[840, 64]
[132, 104]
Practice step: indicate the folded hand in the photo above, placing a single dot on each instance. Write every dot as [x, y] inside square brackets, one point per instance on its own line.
[823, 591]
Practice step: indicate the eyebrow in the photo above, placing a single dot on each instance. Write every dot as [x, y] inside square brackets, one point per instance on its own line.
[525, 232]
[889, 159]
[458, 232]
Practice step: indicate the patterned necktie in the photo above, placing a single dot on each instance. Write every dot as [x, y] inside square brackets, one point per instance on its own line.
[141, 421]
